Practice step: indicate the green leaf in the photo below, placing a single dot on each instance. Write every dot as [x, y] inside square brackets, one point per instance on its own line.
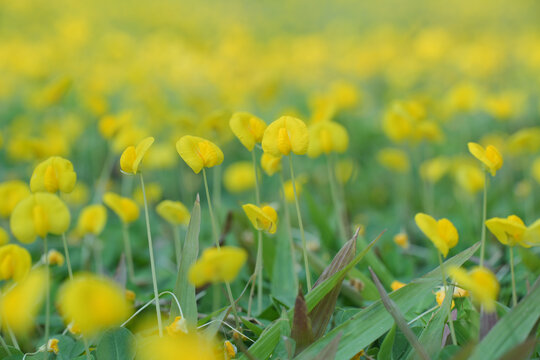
[385, 352]
[302, 331]
[12, 354]
[68, 348]
[399, 319]
[184, 290]
[373, 261]
[522, 351]
[284, 286]
[116, 344]
[372, 322]
[512, 329]
[329, 352]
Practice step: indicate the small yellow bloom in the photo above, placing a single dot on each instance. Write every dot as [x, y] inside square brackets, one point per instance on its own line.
[396, 285]
[93, 303]
[52, 175]
[174, 212]
[262, 218]
[92, 220]
[229, 349]
[439, 297]
[239, 177]
[490, 156]
[55, 257]
[326, 137]
[524, 141]
[402, 240]
[126, 209]
[131, 157]
[481, 283]
[52, 346]
[512, 231]
[109, 125]
[433, 170]
[442, 233]
[178, 326]
[11, 192]
[217, 265]
[153, 191]
[198, 153]
[193, 345]
[248, 128]
[288, 188]
[284, 135]
[469, 177]
[4, 237]
[74, 329]
[394, 159]
[272, 164]
[37, 215]
[15, 262]
[20, 304]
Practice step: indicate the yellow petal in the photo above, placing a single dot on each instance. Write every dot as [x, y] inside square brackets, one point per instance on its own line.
[239, 177]
[284, 135]
[92, 220]
[140, 150]
[126, 209]
[248, 128]
[11, 193]
[264, 218]
[326, 137]
[270, 164]
[198, 152]
[531, 237]
[127, 159]
[15, 262]
[507, 231]
[52, 175]
[429, 227]
[217, 265]
[174, 212]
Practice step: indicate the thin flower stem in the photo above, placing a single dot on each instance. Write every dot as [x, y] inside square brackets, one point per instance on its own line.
[289, 230]
[335, 199]
[210, 209]
[127, 250]
[257, 191]
[514, 295]
[152, 264]
[233, 305]
[108, 165]
[301, 225]
[177, 244]
[87, 349]
[259, 261]
[450, 320]
[484, 215]
[66, 251]
[47, 289]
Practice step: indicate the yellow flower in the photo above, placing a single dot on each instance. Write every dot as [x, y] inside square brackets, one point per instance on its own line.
[52, 346]
[126, 209]
[469, 177]
[20, 304]
[92, 220]
[174, 212]
[4, 237]
[93, 303]
[481, 283]
[393, 159]
[490, 156]
[37, 215]
[193, 345]
[131, 157]
[262, 218]
[284, 135]
[229, 349]
[326, 137]
[433, 170]
[272, 164]
[217, 265]
[248, 128]
[441, 233]
[198, 153]
[55, 257]
[395, 285]
[153, 190]
[15, 262]
[11, 192]
[109, 125]
[524, 141]
[239, 177]
[402, 240]
[52, 175]
[512, 231]
[178, 326]
[439, 297]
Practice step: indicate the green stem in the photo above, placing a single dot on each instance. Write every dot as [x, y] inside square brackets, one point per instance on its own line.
[210, 209]
[177, 245]
[450, 320]
[259, 261]
[233, 305]
[514, 295]
[47, 289]
[484, 215]
[66, 251]
[104, 176]
[335, 199]
[289, 231]
[152, 264]
[127, 250]
[301, 225]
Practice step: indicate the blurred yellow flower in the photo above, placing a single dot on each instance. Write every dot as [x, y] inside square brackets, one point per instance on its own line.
[505, 105]
[11, 192]
[440, 295]
[229, 350]
[178, 326]
[481, 283]
[161, 156]
[153, 191]
[469, 177]
[193, 345]
[288, 188]
[4, 237]
[326, 137]
[490, 156]
[15, 262]
[20, 304]
[284, 135]
[402, 240]
[394, 159]
[217, 265]
[109, 125]
[346, 169]
[434, 169]
[55, 257]
[397, 285]
[52, 175]
[92, 220]
[37, 215]
[442, 233]
[79, 196]
[512, 231]
[248, 128]
[174, 212]
[271, 164]
[263, 218]
[463, 97]
[131, 157]
[52, 346]
[198, 153]
[92, 303]
[126, 209]
[239, 177]
[524, 141]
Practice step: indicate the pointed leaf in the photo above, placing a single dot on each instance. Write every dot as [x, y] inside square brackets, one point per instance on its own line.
[301, 332]
[329, 352]
[522, 351]
[385, 352]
